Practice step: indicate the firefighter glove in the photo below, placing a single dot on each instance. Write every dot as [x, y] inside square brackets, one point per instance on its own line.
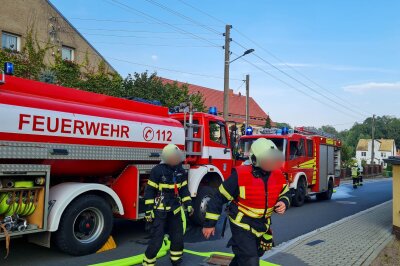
[266, 242]
[149, 216]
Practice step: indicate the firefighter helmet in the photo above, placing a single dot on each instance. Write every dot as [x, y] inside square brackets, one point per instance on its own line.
[264, 149]
[171, 150]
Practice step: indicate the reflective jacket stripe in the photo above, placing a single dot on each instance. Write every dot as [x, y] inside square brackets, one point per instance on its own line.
[212, 216]
[151, 183]
[225, 193]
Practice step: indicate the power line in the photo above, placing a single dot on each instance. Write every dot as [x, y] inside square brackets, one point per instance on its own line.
[153, 44]
[139, 36]
[293, 87]
[283, 72]
[133, 22]
[147, 16]
[141, 31]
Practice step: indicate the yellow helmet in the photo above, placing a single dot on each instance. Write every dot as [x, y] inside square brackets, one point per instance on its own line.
[171, 150]
[263, 149]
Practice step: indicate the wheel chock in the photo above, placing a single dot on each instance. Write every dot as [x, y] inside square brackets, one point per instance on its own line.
[109, 245]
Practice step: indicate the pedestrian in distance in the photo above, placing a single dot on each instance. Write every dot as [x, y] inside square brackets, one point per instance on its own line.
[165, 196]
[355, 174]
[253, 192]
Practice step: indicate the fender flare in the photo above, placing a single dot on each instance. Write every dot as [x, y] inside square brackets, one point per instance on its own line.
[197, 174]
[296, 180]
[61, 195]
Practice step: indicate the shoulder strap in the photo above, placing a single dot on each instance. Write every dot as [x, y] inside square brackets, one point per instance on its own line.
[265, 180]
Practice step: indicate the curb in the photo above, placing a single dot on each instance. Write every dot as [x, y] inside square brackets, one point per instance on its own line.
[293, 241]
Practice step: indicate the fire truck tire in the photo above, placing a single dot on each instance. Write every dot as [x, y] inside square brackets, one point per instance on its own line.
[85, 226]
[327, 195]
[204, 194]
[299, 196]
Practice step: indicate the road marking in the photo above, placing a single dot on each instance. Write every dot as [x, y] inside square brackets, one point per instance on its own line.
[346, 202]
[286, 244]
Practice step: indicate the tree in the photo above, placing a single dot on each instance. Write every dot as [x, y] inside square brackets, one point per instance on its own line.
[329, 129]
[268, 122]
[282, 124]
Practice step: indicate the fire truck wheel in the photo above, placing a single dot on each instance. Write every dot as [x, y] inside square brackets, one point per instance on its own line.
[300, 193]
[327, 195]
[203, 196]
[85, 226]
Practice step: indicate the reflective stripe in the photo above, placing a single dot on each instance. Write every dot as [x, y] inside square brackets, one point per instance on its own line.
[285, 189]
[254, 213]
[149, 201]
[286, 198]
[161, 207]
[151, 183]
[177, 210]
[242, 192]
[168, 186]
[225, 193]
[246, 227]
[212, 216]
[187, 198]
[175, 258]
[146, 259]
[184, 183]
[176, 252]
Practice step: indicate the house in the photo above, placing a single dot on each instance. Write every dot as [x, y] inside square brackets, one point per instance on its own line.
[237, 105]
[50, 29]
[383, 148]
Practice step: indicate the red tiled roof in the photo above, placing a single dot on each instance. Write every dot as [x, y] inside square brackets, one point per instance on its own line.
[237, 103]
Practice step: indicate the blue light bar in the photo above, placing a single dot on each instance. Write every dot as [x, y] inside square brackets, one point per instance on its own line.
[212, 110]
[8, 68]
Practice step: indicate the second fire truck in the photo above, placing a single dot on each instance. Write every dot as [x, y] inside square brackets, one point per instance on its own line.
[312, 160]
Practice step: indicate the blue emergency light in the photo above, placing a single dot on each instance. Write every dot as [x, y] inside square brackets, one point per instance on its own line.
[212, 110]
[249, 130]
[285, 131]
[8, 68]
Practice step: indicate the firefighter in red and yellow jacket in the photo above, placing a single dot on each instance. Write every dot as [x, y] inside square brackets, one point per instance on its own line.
[252, 192]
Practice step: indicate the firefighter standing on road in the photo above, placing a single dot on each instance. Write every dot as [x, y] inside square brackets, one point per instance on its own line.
[166, 191]
[252, 192]
[355, 173]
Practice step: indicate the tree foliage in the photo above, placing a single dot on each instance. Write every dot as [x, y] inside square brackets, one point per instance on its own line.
[29, 63]
[268, 122]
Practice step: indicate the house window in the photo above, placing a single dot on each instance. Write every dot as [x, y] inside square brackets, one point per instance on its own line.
[67, 53]
[10, 41]
[383, 154]
[363, 153]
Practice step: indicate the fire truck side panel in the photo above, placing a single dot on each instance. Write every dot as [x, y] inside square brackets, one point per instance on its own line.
[62, 195]
[127, 188]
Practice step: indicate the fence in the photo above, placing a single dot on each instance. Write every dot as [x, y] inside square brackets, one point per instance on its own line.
[368, 171]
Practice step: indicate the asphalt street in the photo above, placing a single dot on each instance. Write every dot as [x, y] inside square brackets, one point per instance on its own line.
[131, 238]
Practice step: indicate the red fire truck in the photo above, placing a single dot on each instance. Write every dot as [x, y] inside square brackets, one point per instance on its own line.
[72, 160]
[312, 160]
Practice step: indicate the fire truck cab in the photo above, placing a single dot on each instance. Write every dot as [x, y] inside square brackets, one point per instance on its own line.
[312, 160]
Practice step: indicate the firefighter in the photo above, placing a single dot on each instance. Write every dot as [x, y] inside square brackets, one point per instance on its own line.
[355, 174]
[165, 194]
[360, 175]
[252, 192]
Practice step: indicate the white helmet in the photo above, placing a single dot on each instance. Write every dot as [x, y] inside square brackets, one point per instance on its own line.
[264, 149]
[171, 150]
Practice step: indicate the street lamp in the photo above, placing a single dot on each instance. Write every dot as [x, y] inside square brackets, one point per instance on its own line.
[226, 69]
[245, 53]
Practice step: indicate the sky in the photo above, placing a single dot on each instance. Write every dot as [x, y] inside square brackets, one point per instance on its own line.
[332, 62]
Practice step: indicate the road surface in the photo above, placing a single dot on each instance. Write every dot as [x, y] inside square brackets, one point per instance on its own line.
[297, 221]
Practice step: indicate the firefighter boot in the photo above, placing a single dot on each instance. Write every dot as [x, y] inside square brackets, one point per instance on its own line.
[360, 181]
[354, 182]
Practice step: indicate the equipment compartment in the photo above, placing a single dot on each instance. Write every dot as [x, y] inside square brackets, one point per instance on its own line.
[23, 198]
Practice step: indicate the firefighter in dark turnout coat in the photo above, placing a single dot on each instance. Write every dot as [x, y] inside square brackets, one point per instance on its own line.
[165, 194]
[252, 192]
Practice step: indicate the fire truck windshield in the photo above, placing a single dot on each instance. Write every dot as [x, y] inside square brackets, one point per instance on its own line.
[245, 144]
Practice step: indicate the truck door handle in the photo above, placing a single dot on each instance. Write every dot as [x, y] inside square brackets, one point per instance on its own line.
[226, 150]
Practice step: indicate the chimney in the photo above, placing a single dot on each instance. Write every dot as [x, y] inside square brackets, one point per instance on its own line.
[230, 92]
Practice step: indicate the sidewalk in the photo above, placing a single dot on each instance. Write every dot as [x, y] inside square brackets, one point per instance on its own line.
[354, 240]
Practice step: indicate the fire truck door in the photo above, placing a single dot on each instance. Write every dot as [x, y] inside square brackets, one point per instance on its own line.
[326, 165]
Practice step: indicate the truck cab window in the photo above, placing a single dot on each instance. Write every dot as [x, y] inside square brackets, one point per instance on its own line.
[293, 150]
[218, 133]
[310, 148]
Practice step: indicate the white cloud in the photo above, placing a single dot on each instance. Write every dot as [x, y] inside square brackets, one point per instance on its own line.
[154, 57]
[372, 86]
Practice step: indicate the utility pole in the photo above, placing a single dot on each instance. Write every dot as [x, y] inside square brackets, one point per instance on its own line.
[247, 99]
[373, 141]
[226, 70]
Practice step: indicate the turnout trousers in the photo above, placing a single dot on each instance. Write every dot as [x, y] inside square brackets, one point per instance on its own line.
[163, 221]
[246, 247]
